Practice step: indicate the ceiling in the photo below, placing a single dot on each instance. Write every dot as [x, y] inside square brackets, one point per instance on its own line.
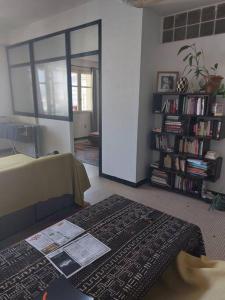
[16, 13]
[166, 7]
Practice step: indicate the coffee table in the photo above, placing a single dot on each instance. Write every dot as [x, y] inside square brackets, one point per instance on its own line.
[144, 242]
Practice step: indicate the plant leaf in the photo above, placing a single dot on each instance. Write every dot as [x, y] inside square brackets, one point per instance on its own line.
[198, 54]
[216, 66]
[186, 57]
[183, 48]
[190, 60]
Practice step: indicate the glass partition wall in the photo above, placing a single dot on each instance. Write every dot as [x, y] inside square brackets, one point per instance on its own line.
[21, 79]
[51, 76]
[58, 76]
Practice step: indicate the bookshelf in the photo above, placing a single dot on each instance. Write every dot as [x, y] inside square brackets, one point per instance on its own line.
[182, 141]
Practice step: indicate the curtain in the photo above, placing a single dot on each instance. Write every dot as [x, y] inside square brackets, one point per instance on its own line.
[94, 115]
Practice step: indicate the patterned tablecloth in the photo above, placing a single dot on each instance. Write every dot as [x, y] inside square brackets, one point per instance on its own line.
[144, 242]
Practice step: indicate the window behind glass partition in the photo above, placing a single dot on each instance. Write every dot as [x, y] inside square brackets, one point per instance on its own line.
[21, 79]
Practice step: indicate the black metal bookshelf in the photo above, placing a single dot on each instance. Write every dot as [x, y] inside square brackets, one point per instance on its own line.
[186, 132]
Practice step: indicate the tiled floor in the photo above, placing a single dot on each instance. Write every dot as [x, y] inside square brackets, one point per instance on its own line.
[212, 223]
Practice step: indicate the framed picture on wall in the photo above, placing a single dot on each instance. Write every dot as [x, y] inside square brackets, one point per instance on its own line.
[167, 81]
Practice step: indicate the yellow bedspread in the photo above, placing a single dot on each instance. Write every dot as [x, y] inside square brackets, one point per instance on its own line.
[191, 278]
[25, 181]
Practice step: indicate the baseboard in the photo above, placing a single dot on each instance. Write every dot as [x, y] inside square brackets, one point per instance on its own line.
[123, 181]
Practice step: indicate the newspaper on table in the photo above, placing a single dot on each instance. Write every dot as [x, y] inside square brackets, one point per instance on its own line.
[78, 254]
[54, 236]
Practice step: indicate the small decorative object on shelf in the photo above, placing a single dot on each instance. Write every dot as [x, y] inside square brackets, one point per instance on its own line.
[194, 59]
[182, 85]
[213, 155]
[183, 142]
[167, 81]
[218, 109]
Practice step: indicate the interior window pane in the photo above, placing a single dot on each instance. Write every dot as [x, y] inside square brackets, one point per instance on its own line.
[74, 78]
[86, 99]
[50, 47]
[52, 92]
[75, 98]
[86, 80]
[22, 89]
[84, 40]
[19, 55]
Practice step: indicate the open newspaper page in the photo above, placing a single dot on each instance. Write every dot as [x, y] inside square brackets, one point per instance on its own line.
[55, 236]
[78, 254]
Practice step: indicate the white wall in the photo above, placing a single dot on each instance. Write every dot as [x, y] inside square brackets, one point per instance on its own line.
[121, 43]
[81, 124]
[213, 46]
[150, 39]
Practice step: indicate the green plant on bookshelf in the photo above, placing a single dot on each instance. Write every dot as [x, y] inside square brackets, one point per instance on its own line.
[221, 91]
[195, 63]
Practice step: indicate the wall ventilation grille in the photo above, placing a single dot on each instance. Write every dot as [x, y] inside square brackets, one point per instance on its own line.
[201, 22]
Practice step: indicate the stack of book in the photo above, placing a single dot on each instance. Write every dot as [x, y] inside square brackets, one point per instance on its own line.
[159, 177]
[194, 105]
[173, 124]
[186, 185]
[162, 143]
[155, 165]
[208, 128]
[170, 106]
[191, 146]
[198, 167]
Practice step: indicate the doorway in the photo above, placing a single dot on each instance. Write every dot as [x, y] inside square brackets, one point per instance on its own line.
[86, 108]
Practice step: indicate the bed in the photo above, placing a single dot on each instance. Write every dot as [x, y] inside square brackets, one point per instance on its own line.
[33, 189]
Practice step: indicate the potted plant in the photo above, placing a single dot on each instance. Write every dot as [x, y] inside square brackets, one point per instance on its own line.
[194, 59]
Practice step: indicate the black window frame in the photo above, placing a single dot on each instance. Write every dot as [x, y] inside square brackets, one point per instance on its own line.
[68, 56]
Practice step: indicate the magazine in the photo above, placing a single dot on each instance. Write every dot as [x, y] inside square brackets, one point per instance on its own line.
[78, 254]
[55, 236]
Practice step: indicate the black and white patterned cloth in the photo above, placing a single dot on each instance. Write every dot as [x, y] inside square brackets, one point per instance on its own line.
[143, 240]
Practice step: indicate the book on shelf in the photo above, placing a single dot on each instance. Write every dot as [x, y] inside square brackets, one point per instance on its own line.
[155, 165]
[186, 185]
[160, 177]
[161, 142]
[170, 106]
[194, 105]
[191, 146]
[209, 128]
[173, 124]
[180, 164]
[198, 167]
[157, 130]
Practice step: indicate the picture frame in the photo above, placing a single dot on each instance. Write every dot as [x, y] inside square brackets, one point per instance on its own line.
[167, 81]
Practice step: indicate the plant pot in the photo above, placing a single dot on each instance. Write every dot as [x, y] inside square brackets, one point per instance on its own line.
[182, 85]
[213, 82]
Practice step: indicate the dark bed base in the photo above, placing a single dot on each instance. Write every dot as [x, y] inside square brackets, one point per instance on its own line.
[40, 213]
